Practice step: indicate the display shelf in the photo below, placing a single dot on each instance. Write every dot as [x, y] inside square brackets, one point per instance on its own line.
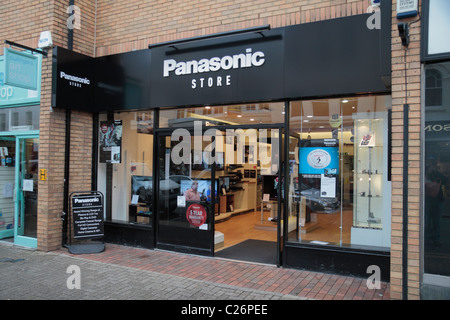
[369, 174]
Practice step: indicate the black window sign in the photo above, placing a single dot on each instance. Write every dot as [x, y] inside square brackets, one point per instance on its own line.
[87, 213]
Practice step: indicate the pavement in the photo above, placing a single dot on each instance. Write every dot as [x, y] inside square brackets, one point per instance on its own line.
[129, 273]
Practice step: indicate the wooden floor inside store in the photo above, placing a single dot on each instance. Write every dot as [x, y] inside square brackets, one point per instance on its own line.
[241, 227]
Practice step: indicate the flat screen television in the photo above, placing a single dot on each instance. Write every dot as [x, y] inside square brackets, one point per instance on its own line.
[203, 189]
[142, 186]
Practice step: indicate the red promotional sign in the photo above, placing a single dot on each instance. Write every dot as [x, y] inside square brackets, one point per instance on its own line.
[196, 215]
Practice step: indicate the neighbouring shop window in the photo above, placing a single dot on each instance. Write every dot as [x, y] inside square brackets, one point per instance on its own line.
[433, 88]
[19, 118]
[125, 173]
[339, 188]
[437, 176]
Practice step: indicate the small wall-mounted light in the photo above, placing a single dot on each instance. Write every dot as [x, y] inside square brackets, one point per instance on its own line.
[403, 31]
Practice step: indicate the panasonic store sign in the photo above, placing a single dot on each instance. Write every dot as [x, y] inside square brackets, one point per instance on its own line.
[242, 60]
[249, 67]
[73, 80]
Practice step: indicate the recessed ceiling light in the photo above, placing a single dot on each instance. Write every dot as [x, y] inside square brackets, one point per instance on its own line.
[239, 116]
[252, 119]
[344, 101]
[207, 107]
[309, 116]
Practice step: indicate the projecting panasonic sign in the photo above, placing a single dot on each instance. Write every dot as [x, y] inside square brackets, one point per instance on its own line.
[243, 60]
[74, 80]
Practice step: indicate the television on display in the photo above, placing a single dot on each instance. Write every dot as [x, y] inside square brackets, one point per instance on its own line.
[319, 156]
[142, 186]
[203, 187]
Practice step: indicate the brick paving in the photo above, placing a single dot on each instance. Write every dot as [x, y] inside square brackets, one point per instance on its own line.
[267, 278]
[128, 273]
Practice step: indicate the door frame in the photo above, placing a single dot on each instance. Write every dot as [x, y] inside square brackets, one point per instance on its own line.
[18, 136]
[282, 204]
[163, 134]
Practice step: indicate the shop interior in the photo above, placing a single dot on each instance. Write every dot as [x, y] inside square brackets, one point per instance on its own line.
[339, 204]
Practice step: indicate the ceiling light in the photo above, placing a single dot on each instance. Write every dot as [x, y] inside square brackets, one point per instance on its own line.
[344, 101]
[309, 116]
[239, 116]
[252, 119]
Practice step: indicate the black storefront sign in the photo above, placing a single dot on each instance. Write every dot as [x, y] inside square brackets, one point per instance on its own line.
[73, 80]
[87, 215]
[326, 58]
[244, 68]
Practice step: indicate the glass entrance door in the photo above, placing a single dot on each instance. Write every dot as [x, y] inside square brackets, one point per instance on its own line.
[18, 189]
[26, 173]
[185, 195]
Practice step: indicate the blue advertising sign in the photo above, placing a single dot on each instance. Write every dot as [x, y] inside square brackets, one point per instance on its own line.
[21, 69]
[319, 160]
[12, 95]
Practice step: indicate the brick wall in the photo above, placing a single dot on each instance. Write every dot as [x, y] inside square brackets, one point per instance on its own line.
[126, 25]
[109, 27]
[22, 22]
[413, 73]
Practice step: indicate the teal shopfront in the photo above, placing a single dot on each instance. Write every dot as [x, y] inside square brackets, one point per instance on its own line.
[19, 154]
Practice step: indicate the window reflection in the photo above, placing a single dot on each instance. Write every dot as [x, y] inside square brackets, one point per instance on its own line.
[437, 171]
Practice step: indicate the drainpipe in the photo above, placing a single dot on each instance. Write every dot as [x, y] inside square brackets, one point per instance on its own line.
[67, 148]
[405, 189]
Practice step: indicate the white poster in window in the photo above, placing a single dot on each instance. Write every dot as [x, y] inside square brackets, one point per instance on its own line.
[8, 190]
[27, 185]
[181, 201]
[327, 187]
[134, 199]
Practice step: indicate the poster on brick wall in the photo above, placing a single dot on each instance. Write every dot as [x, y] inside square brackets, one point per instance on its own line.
[110, 141]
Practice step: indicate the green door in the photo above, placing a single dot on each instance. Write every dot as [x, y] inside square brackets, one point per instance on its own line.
[26, 190]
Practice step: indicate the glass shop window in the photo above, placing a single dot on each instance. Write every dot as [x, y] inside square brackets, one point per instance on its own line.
[126, 166]
[339, 189]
